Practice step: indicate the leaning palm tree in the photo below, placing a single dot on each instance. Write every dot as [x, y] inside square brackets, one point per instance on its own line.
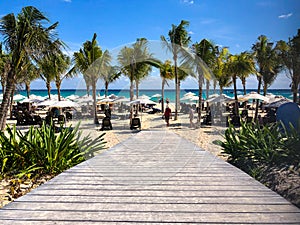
[92, 62]
[178, 39]
[26, 38]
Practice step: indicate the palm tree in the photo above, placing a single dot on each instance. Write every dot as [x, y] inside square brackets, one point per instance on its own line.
[265, 56]
[166, 71]
[92, 62]
[236, 65]
[289, 53]
[243, 76]
[135, 63]
[30, 74]
[25, 38]
[112, 74]
[221, 76]
[178, 38]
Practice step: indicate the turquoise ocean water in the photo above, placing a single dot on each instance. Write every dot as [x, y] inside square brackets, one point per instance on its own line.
[168, 93]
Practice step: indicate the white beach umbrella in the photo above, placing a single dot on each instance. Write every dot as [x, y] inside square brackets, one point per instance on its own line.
[64, 104]
[105, 101]
[47, 102]
[253, 95]
[18, 97]
[221, 98]
[121, 99]
[156, 96]
[189, 94]
[143, 101]
[72, 97]
[189, 98]
[84, 99]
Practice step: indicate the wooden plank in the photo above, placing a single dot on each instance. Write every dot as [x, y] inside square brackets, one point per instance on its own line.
[151, 178]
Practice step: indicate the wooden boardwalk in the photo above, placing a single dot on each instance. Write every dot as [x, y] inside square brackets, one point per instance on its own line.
[154, 177]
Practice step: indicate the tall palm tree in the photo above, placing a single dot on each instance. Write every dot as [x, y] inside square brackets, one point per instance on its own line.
[26, 38]
[264, 55]
[92, 62]
[205, 53]
[236, 65]
[134, 63]
[178, 38]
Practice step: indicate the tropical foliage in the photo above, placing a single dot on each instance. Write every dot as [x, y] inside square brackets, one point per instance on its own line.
[26, 39]
[289, 53]
[134, 63]
[92, 62]
[43, 151]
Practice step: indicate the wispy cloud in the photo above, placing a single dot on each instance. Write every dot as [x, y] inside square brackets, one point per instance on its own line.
[207, 21]
[67, 1]
[191, 32]
[285, 16]
[189, 2]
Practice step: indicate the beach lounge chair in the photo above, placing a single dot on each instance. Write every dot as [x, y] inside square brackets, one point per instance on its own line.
[106, 124]
[135, 124]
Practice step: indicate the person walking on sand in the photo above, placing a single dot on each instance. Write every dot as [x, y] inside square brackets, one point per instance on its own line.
[191, 116]
[168, 115]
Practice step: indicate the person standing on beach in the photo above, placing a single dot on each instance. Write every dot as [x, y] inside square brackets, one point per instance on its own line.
[191, 116]
[168, 115]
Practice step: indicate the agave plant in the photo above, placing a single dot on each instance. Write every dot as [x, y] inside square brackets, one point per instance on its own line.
[44, 150]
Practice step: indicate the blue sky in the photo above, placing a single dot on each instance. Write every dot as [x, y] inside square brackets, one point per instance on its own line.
[232, 23]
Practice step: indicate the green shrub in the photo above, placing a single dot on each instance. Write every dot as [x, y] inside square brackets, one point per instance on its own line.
[44, 151]
[251, 145]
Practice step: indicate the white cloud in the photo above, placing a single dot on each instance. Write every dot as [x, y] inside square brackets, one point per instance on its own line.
[189, 2]
[285, 16]
[191, 32]
[67, 1]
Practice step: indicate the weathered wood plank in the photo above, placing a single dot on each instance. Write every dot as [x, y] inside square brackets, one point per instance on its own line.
[152, 178]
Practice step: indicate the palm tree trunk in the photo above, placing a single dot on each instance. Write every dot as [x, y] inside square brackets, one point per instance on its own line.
[200, 83]
[10, 86]
[48, 85]
[27, 87]
[96, 121]
[106, 89]
[11, 103]
[257, 102]
[236, 103]
[295, 91]
[265, 89]
[176, 89]
[58, 84]
[137, 89]
[131, 90]
[207, 88]
[244, 87]
[162, 95]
